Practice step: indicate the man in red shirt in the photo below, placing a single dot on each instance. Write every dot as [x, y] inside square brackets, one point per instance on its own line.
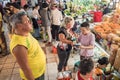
[86, 70]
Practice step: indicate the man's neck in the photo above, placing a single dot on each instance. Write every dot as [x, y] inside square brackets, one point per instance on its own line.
[21, 33]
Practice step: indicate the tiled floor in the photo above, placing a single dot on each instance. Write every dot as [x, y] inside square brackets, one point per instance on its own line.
[9, 69]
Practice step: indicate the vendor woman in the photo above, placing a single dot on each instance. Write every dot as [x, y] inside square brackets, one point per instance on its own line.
[87, 40]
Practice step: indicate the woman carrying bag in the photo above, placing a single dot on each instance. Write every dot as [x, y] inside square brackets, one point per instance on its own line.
[65, 44]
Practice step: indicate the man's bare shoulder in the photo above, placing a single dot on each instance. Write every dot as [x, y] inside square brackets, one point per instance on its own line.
[19, 49]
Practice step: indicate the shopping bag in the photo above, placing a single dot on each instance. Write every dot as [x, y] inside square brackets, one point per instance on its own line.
[65, 75]
[39, 21]
[54, 50]
[97, 16]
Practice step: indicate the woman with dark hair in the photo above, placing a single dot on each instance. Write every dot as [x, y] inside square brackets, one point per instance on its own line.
[106, 9]
[87, 40]
[103, 62]
[55, 21]
[100, 68]
[46, 23]
[36, 16]
[103, 70]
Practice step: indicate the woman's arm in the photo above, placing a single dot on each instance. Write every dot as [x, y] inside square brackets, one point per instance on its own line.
[87, 47]
[64, 40]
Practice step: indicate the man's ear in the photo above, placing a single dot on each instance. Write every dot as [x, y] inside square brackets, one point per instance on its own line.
[18, 25]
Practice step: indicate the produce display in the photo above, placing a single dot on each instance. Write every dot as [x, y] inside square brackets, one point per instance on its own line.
[99, 52]
[109, 33]
[105, 28]
[109, 30]
[110, 24]
[79, 7]
[112, 17]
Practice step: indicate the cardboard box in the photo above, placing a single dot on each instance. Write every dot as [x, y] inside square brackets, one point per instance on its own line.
[117, 60]
[112, 57]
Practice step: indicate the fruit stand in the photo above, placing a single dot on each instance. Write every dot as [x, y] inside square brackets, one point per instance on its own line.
[107, 35]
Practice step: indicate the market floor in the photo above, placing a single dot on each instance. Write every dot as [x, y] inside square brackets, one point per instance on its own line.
[9, 69]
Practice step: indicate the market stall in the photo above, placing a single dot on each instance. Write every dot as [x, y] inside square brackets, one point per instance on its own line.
[107, 35]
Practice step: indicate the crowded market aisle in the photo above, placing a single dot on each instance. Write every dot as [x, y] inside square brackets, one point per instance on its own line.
[9, 69]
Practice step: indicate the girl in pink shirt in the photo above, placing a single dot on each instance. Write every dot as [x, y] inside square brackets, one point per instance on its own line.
[87, 40]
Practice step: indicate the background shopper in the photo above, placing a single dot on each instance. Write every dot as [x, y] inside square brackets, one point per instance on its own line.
[46, 22]
[35, 18]
[56, 21]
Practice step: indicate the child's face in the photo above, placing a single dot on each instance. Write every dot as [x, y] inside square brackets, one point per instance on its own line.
[103, 66]
[84, 30]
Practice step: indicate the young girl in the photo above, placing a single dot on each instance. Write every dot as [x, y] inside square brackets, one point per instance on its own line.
[87, 40]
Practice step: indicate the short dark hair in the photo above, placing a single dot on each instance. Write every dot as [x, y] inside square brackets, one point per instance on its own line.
[26, 6]
[16, 5]
[36, 5]
[44, 5]
[86, 66]
[104, 5]
[103, 61]
[85, 24]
